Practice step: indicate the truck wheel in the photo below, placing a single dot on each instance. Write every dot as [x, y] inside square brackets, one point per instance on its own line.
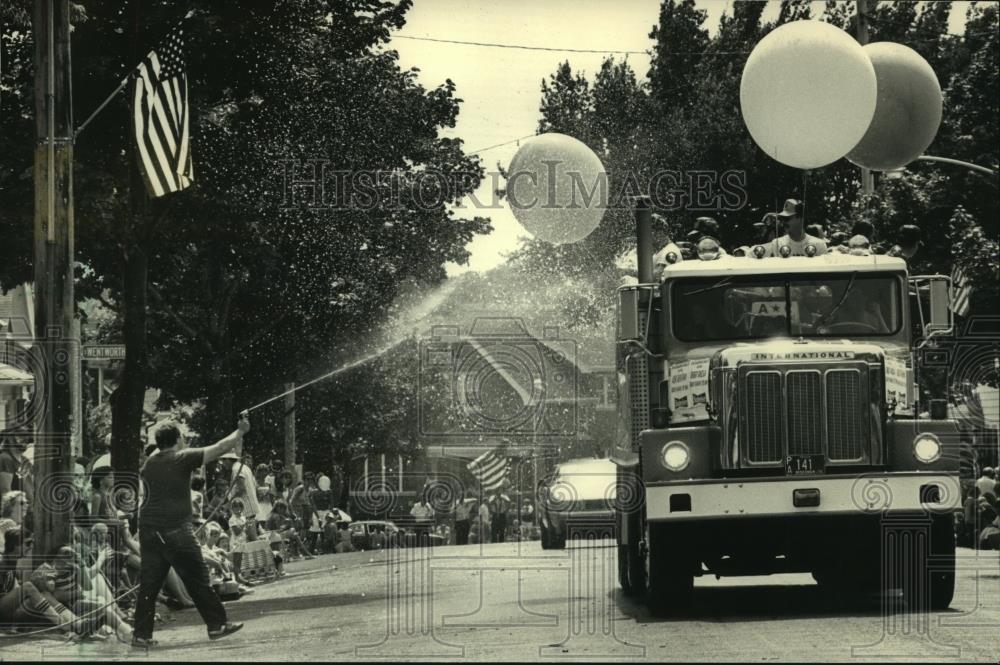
[668, 572]
[931, 585]
[631, 563]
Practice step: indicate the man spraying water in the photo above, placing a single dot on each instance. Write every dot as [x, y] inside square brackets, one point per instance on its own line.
[166, 535]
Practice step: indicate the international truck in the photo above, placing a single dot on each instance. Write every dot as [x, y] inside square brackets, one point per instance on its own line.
[770, 421]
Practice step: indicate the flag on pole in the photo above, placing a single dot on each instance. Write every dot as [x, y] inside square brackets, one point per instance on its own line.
[161, 117]
[961, 291]
[490, 469]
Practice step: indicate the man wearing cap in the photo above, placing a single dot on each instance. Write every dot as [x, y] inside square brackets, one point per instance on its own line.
[766, 230]
[795, 238]
[986, 481]
[705, 227]
[909, 242]
[242, 486]
[167, 536]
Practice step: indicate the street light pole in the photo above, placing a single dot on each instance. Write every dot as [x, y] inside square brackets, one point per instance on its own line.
[959, 162]
[867, 179]
[53, 274]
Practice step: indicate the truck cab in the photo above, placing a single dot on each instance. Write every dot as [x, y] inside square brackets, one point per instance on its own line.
[769, 416]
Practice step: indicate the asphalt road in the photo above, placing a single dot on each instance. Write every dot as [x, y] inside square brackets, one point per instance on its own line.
[516, 601]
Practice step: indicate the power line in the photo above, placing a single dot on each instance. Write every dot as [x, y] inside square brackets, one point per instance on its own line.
[562, 50]
[516, 46]
[500, 145]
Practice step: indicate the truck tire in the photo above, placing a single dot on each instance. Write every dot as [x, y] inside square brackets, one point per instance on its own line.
[932, 562]
[668, 571]
[631, 563]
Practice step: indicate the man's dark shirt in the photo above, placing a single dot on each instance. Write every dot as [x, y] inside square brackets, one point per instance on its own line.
[10, 464]
[321, 500]
[168, 488]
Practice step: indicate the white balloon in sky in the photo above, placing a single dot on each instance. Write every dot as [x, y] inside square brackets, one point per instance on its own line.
[808, 93]
[557, 188]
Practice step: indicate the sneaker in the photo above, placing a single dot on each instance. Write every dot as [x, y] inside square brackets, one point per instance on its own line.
[227, 629]
[143, 642]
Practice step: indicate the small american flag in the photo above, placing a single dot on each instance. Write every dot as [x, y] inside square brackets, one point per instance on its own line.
[160, 111]
[961, 291]
[490, 469]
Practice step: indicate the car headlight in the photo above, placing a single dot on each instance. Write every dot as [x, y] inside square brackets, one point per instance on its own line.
[926, 448]
[676, 456]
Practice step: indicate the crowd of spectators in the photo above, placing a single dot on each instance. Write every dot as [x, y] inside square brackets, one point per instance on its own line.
[87, 588]
[979, 520]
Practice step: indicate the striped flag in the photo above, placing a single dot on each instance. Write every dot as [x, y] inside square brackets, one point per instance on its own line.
[490, 469]
[961, 291]
[160, 112]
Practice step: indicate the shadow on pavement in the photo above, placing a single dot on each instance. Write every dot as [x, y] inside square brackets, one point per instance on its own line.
[767, 602]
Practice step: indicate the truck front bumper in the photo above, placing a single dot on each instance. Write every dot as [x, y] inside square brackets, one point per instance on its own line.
[868, 494]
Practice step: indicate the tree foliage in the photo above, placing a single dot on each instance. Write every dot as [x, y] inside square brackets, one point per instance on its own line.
[254, 282]
[685, 117]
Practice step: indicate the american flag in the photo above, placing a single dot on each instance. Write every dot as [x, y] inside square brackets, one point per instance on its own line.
[160, 110]
[490, 469]
[961, 291]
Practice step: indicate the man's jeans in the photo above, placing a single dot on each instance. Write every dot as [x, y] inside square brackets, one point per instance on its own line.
[177, 549]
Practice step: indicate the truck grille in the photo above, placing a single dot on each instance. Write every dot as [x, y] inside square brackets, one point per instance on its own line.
[804, 411]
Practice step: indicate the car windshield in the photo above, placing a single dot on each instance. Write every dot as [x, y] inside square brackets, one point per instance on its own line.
[589, 480]
[756, 307]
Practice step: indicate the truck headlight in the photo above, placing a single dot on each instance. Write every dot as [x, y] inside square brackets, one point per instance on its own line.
[676, 456]
[926, 448]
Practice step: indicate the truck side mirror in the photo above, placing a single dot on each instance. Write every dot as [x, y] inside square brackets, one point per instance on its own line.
[940, 314]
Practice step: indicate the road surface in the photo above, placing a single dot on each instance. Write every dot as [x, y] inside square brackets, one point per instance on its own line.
[515, 601]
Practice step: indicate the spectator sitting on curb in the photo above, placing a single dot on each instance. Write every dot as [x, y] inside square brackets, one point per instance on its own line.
[281, 523]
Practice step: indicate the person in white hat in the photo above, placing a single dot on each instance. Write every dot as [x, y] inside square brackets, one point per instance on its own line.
[795, 238]
[986, 480]
[243, 486]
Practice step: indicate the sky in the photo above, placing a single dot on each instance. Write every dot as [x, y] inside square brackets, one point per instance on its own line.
[500, 88]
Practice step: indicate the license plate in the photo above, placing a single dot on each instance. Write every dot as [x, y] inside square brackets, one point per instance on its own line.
[804, 464]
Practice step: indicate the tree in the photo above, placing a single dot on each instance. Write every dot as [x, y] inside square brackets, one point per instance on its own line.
[567, 104]
[680, 43]
[249, 288]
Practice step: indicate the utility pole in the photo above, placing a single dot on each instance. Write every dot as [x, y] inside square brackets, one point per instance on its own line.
[53, 273]
[290, 426]
[867, 179]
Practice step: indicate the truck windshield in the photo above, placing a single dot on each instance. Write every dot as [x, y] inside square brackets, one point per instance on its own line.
[755, 307]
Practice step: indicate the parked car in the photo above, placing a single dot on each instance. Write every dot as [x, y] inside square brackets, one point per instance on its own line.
[375, 535]
[578, 499]
[382, 534]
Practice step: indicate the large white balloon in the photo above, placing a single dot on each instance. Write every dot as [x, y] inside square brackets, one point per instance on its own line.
[557, 188]
[808, 94]
[908, 111]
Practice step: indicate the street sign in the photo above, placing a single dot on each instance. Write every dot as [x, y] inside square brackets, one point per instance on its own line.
[104, 352]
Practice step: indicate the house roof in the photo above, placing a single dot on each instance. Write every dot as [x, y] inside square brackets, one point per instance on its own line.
[12, 376]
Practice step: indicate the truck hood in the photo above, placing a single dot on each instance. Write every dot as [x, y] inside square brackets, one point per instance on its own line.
[788, 350]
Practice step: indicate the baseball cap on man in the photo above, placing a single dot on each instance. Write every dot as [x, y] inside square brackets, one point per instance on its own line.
[793, 208]
[704, 226]
[909, 234]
